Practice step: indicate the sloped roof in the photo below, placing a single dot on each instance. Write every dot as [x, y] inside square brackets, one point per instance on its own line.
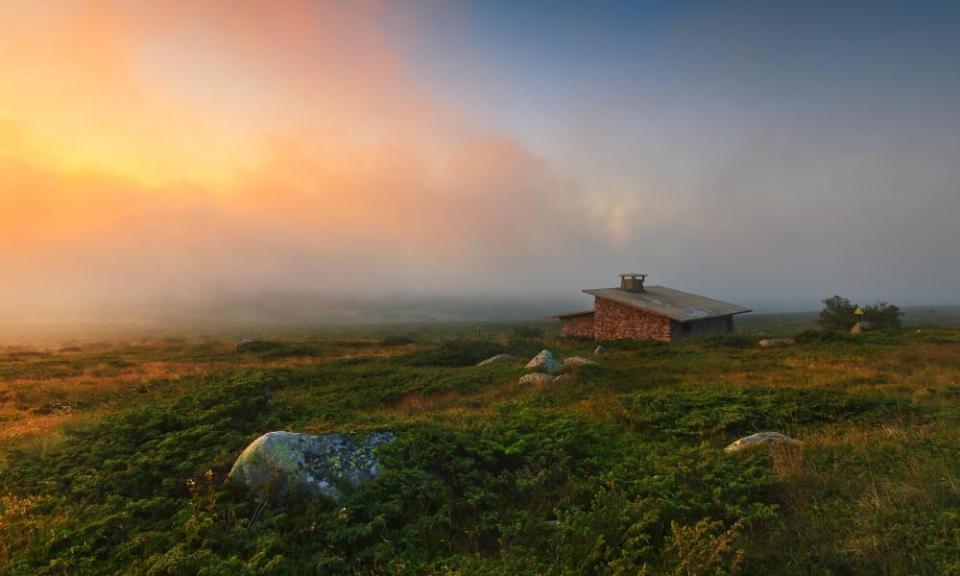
[674, 304]
[572, 314]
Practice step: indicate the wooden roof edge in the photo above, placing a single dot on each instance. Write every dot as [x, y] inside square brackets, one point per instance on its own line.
[571, 314]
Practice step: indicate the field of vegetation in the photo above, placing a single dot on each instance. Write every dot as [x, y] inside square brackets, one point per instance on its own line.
[113, 456]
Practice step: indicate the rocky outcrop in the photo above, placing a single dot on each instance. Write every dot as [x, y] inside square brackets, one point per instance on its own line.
[537, 378]
[776, 342]
[320, 465]
[544, 362]
[496, 358]
[761, 439]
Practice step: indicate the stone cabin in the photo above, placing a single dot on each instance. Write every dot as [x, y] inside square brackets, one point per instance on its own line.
[648, 313]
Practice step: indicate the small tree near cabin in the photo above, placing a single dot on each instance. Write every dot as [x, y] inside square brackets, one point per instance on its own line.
[837, 314]
[882, 315]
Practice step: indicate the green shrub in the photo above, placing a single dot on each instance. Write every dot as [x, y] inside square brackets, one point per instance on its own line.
[527, 332]
[882, 316]
[837, 314]
[258, 345]
[398, 340]
[704, 411]
[454, 353]
[814, 335]
[731, 340]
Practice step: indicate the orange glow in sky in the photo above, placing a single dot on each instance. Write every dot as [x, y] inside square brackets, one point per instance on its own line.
[142, 141]
[181, 148]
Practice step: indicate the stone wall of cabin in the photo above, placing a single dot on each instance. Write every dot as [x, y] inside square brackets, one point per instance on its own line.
[613, 321]
[580, 326]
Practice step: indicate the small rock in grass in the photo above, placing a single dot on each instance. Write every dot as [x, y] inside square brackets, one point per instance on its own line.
[546, 362]
[599, 350]
[537, 378]
[318, 465]
[761, 439]
[54, 407]
[496, 358]
[577, 361]
[776, 342]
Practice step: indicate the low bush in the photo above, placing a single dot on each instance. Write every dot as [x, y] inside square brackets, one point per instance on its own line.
[815, 335]
[703, 411]
[145, 494]
[730, 340]
[398, 340]
[526, 331]
[454, 353]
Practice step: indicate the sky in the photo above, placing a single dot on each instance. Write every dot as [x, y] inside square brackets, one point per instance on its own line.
[770, 153]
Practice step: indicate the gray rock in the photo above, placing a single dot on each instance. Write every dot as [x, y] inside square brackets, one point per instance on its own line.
[496, 358]
[545, 362]
[537, 378]
[320, 465]
[599, 350]
[760, 439]
[577, 361]
[776, 342]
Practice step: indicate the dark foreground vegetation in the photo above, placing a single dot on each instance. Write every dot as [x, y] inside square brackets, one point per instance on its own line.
[112, 457]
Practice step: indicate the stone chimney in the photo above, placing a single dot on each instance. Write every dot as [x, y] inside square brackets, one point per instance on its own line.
[632, 282]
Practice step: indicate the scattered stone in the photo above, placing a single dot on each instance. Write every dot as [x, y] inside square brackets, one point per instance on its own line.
[577, 361]
[776, 342]
[546, 362]
[54, 407]
[759, 439]
[563, 378]
[599, 350]
[537, 378]
[496, 358]
[320, 465]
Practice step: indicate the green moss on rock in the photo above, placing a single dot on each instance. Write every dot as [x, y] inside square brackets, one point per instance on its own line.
[322, 465]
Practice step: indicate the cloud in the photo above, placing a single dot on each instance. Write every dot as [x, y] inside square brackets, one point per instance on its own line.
[193, 149]
[199, 149]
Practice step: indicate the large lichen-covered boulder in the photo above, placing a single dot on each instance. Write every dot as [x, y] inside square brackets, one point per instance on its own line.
[761, 439]
[544, 362]
[320, 465]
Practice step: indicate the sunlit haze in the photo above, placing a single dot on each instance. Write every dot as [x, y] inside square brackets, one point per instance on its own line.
[769, 153]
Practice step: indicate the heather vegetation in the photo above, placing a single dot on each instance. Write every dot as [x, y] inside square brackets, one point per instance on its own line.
[113, 456]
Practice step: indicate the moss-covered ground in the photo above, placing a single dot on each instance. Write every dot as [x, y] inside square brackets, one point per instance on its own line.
[113, 456]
